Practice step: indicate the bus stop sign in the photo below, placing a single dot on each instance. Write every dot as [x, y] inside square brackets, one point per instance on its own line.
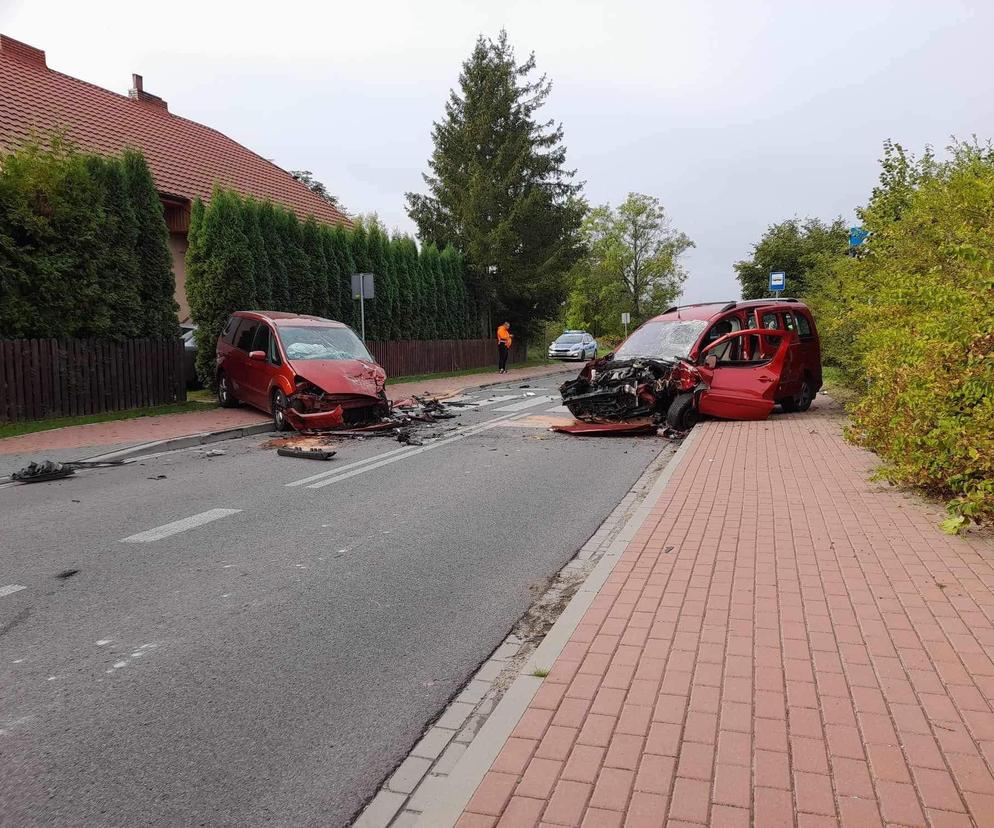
[778, 281]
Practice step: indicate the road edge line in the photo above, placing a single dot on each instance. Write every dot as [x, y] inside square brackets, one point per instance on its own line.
[473, 765]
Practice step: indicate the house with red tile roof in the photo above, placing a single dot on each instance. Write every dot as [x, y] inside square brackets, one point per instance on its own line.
[186, 158]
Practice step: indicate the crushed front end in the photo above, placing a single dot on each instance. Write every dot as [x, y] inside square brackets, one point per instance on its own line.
[612, 391]
[311, 408]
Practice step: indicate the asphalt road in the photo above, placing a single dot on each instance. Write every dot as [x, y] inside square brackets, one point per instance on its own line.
[270, 664]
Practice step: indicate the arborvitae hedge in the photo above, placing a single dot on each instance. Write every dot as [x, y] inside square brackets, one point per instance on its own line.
[83, 247]
[244, 254]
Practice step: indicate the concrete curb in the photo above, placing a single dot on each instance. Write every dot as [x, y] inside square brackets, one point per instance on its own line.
[452, 799]
[188, 441]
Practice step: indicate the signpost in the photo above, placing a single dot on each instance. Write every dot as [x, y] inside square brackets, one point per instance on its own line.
[625, 319]
[778, 283]
[363, 289]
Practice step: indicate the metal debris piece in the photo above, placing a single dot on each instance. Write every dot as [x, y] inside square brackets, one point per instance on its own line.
[306, 454]
[40, 472]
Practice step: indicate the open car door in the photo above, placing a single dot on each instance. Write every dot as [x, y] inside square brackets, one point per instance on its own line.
[743, 383]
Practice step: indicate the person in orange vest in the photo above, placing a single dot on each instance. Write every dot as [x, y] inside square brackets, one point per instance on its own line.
[504, 339]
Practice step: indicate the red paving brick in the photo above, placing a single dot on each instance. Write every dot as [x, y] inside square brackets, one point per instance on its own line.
[809, 651]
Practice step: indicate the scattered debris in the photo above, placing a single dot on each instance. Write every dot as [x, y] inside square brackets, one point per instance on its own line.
[306, 454]
[157, 477]
[40, 472]
[406, 437]
[215, 453]
[67, 573]
[51, 470]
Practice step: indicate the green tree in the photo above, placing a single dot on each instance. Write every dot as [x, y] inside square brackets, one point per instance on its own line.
[332, 275]
[317, 267]
[379, 323]
[632, 265]
[342, 240]
[316, 187]
[219, 271]
[116, 311]
[272, 238]
[406, 318]
[261, 267]
[499, 188]
[156, 283]
[300, 280]
[430, 309]
[794, 247]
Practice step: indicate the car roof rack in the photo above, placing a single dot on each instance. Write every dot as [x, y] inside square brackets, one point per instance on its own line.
[728, 306]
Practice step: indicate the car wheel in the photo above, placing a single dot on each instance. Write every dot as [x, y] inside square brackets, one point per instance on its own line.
[681, 415]
[279, 407]
[225, 396]
[804, 397]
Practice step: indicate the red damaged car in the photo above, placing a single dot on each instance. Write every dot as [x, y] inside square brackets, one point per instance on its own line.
[734, 360]
[308, 372]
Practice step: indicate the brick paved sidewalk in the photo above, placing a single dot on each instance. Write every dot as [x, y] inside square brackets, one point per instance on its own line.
[783, 643]
[167, 426]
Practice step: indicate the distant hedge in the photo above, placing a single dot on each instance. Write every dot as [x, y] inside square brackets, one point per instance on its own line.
[84, 248]
[244, 255]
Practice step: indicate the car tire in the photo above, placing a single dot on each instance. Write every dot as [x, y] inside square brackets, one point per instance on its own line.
[681, 415]
[225, 396]
[801, 401]
[278, 407]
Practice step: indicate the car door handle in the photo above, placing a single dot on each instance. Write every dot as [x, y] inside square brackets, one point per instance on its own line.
[766, 379]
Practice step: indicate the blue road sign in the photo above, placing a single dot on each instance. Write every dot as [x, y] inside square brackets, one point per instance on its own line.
[778, 281]
[857, 235]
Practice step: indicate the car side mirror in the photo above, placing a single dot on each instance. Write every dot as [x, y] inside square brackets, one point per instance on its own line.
[711, 361]
[259, 356]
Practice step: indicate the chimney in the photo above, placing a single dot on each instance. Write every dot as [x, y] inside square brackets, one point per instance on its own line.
[21, 52]
[137, 93]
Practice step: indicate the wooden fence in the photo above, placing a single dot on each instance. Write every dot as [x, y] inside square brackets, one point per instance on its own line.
[41, 378]
[404, 359]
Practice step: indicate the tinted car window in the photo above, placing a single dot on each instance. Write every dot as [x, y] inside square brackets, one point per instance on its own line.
[569, 339]
[803, 326]
[261, 342]
[228, 334]
[246, 333]
[788, 320]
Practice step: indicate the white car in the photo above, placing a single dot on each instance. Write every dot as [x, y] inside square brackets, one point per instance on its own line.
[574, 345]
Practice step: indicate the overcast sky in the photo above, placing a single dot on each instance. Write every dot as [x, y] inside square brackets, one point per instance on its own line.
[734, 114]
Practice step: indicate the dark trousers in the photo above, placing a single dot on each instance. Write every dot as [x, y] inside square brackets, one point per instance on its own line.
[502, 352]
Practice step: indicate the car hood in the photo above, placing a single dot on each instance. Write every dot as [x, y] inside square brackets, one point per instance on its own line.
[342, 376]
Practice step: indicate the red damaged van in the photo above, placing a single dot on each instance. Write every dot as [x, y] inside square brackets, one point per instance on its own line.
[306, 371]
[733, 360]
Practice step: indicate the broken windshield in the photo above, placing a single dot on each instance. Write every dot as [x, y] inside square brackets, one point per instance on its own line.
[662, 340]
[308, 342]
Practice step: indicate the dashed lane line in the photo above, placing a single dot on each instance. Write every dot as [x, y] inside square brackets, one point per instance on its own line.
[382, 460]
[177, 526]
[10, 589]
[531, 402]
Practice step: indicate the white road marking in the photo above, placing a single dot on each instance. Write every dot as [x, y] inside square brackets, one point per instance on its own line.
[347, 466]
[458, 435]
[10, 589]
[531, 402]
[160, 532]
[495, 400]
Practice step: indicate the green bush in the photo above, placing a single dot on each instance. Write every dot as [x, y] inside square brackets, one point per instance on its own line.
[911, 324]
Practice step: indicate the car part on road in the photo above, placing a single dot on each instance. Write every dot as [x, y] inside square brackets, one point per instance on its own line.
[641, 426]
[52, 470]
[305, 454]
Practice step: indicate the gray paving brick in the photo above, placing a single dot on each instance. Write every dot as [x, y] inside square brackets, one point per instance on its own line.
[489, 671]
[426, 793]
[381, 810]
[433, 742]
[455, 715]
[449, 759]
[406, 778]
[474, 691]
